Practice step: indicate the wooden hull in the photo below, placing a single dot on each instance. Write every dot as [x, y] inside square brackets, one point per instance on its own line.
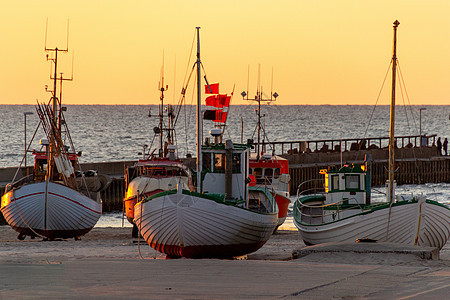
[129, 204]
[283, 207]
[148, 186]
[184, 224]
[422, 223]
[53, 211]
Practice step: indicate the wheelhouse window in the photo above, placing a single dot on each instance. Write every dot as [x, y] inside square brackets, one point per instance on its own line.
[206, 161]
[277, 173]
[257, 172]
[334, 182]
[352, 182]
[219, 162]
[236, 163]
[268, 172]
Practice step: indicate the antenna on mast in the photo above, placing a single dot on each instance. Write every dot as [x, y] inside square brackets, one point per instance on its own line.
[259, 98]
[56, 109]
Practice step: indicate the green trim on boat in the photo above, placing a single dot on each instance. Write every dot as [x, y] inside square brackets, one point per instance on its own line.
[346, 169]
[438, 204]
[221, 146]
[368, 209]
[219, 198]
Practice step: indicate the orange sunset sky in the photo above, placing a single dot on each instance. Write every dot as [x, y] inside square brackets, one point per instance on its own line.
[322, 52]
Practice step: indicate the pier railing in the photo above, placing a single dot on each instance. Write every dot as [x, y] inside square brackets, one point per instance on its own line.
[291, 147]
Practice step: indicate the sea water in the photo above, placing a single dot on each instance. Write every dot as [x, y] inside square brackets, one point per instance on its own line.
[119, 132]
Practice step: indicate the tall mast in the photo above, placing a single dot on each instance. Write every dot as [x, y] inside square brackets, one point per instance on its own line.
[54, 83]
[199, 116]
[392, 117]
[162, 89]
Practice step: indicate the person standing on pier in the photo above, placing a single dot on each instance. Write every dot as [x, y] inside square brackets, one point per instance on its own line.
[444, 146]
[439, 145]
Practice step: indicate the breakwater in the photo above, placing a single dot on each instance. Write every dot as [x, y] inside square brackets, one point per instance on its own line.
[413, 165]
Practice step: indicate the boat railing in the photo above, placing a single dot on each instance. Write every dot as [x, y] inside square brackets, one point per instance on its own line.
[269, 186]
[22, 181]
[312, 186]
[327, 212]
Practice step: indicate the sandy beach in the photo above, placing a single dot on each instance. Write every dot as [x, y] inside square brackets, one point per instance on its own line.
[108, 263]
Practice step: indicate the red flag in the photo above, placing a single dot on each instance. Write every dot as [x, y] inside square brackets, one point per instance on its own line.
[212, 101]
[221, 116]
[224, 101]
[214, 88]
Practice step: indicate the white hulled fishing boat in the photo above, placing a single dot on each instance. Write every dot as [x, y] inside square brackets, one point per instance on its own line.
[53, 202]
[223, 218]
[157, 172]
[345, 212]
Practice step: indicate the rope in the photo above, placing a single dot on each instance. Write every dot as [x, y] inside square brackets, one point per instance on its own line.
[375, 105]
[139, 229]
[23, 220]
[409, 127]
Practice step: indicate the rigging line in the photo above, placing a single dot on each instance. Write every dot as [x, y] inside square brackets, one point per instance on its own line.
[189, 60]
[378, 98]
[228, 110]
[403, 86]
[406, 92]
[77, 162]
[375, 105]
[407, 96]
[187, 120]
[151, 145]
[183, 91]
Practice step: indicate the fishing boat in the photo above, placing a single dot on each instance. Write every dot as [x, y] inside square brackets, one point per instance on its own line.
[272, 172]
[267, 170]
[223, 217]
[345, 213]
[156, 172]
[57, 200]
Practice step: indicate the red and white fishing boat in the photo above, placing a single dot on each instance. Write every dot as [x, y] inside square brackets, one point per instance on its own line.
[159, 172]
[53, 202]
[272, 172]
[224, 217]
[266, 170]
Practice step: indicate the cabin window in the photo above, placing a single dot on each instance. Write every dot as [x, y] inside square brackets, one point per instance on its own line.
[236, 163]
[277, 173]
[251, 171]
[206, 161]
[219, 162]
[334, 182]
[352, 182]
[268, 173]
[257, 172]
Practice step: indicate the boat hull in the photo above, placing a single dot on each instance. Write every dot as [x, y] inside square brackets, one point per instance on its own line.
[51, 210]
[129, 204]
[283, 206]
[148, 186]
[422, 223]
[186, 224]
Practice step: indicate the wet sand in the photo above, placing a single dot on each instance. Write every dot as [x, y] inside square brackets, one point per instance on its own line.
[108, 263]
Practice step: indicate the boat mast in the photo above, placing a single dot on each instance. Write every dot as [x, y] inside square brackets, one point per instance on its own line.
[258, 98]
[54, 98]
[162, 89]
[392, 117]
[199, 116]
